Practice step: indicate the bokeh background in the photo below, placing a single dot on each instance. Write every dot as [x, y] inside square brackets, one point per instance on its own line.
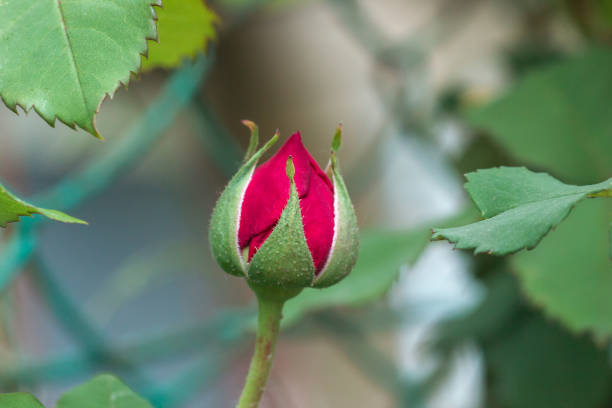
[136, 292]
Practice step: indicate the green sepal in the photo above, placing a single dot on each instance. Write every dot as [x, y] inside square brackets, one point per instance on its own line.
[345, 247]
[223, 232]
[254, 140]
[284, 260]
[337, 139]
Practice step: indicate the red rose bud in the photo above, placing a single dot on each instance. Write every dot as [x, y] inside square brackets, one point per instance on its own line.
[266, 197]
[286, 223]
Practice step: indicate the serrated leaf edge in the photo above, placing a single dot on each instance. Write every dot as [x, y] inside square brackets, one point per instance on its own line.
[124, 81]
[589, 189]
[31, 210]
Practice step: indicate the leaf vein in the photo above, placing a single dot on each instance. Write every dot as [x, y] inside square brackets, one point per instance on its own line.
[71, 53]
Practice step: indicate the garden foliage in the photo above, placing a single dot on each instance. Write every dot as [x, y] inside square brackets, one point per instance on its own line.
[544, 237]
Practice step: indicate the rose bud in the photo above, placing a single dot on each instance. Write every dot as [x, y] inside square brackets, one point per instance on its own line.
[286, 223]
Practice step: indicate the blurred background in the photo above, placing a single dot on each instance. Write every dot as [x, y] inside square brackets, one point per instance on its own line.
[426, 91]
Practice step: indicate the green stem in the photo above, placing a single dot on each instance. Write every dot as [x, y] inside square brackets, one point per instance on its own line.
[270, 301]
[268, 323]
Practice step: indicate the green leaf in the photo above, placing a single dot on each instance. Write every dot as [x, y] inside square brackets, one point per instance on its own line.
[570, 273]
[104, 391]
[539, 365]
[11, 208]
[184, 27]
[491, 319]
[530, 362]
[380, 258]
[523, 207]
[63, 57]
[19, 400]
[558, 118]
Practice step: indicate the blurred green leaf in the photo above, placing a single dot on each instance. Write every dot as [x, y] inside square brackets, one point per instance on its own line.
[492, 317]
[482, 153]
[540, 365]
[530, 362]
[558, 118]
[184, 29]
[103, 391]
[381, 255]
[593, 18]
[239, 4]
[19, 400]
[529, 54]
[570, 274]
[11, 208]
[523, 207]
[63, 58]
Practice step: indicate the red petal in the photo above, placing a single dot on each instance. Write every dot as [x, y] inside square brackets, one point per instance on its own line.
[267, 194]
[318, 217]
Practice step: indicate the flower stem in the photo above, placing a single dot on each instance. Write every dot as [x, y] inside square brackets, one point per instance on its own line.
[268, 322]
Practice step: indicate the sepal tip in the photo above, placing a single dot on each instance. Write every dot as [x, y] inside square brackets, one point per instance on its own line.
[254, 141]
[337, 140]
[250, 124]
[290, 169]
